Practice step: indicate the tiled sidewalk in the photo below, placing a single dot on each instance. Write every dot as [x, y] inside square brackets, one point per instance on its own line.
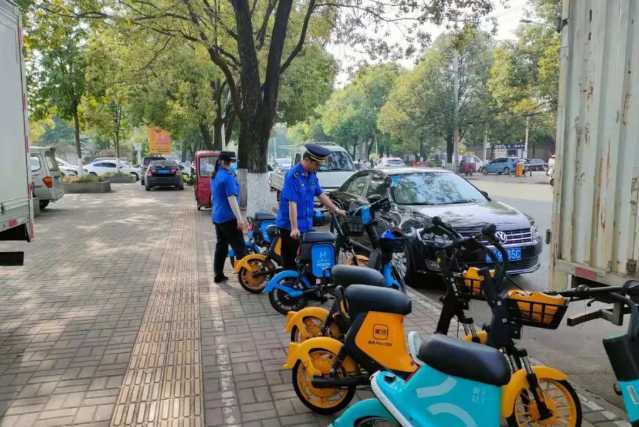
[115, 320]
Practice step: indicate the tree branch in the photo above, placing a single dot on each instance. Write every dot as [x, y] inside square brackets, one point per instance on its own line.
[261, 33]
[300, 42]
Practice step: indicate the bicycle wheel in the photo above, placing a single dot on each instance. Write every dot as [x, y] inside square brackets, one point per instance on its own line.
[321, 400]
[561, 399]
[283, 302]
[252, 283]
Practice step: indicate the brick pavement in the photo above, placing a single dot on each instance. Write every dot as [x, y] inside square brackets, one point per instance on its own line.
[115, 320]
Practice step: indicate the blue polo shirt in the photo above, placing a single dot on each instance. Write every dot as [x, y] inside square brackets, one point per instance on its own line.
[223, 186]
[300, 187]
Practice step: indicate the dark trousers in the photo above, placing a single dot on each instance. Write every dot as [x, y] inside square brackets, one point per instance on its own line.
[289, 249]
[227, 234]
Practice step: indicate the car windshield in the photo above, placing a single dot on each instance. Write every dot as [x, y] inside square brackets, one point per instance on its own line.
[433, 188]
[164, 163]
[148, 160]
[337, 161]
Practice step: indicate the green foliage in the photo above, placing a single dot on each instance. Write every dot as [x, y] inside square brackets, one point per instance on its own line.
[350, 115]
[84, 179]
[445, 92]
[306, 84]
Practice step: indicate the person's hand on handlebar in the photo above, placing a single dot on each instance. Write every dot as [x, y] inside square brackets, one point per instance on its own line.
[338, 211]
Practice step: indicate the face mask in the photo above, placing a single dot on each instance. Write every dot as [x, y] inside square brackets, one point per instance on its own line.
[233, 168]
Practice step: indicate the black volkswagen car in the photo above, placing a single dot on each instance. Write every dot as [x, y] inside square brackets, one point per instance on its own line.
[422, 193]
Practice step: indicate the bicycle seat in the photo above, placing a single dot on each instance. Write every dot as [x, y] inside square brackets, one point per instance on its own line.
[364, 298]
[346, 275]
[318, 237]
[263, 216]
[469, 360]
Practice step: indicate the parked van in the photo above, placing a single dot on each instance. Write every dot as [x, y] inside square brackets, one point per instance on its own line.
[337, 168]
[46, 176]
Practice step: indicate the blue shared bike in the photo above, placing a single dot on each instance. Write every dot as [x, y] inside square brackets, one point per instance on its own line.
[290, 290]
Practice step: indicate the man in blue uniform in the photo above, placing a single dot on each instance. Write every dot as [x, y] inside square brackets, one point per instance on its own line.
[295, 214]
[226, 214]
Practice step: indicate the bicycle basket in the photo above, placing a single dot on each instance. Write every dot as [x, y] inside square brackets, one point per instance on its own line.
[472, 282]
[353, 225]
[536, 308]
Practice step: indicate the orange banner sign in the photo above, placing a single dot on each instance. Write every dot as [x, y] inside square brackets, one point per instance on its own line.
[159, 141]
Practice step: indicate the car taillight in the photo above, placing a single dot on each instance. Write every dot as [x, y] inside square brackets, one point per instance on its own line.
[173, 170]
[150, 171]
[48, 181]
[250, 226]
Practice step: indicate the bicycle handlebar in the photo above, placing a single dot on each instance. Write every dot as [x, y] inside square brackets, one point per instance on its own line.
[487, 232]
[619, 295]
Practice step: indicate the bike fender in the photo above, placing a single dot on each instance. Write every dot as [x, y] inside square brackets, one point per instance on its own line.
[274, 283]
[301, 352]
[362, 409]
[519, 382]
[296, 318]
[244, 262]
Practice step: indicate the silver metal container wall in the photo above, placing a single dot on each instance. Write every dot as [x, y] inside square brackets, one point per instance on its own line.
[595, 232]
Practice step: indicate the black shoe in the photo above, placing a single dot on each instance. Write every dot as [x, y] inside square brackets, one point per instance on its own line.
[221, 278]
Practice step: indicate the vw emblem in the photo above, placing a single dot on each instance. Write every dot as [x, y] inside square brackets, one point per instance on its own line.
[503, 237]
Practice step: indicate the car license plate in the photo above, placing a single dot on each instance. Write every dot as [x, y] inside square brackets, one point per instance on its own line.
[163, 171]
[514, 254]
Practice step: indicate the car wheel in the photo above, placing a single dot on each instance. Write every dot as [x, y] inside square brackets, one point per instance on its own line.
[93, 173]
[484, 171]
[506, 171]
[142, 181]
[147, 188]
[44, 204]
[135, 175]
[181, 187]
[552, 181]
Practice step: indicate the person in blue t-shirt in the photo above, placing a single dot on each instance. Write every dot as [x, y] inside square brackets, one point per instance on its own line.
[295, 213]
[226, 215]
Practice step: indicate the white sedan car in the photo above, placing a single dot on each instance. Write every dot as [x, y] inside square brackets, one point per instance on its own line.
[103, 167]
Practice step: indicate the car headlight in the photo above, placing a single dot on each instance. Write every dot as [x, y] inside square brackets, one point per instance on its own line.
[534, 233]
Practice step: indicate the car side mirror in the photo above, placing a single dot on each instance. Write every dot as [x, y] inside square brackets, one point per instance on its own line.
[485, 194]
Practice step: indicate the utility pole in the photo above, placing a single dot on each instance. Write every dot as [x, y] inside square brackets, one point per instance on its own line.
[485, 143]
[456, 80]
[526, 138]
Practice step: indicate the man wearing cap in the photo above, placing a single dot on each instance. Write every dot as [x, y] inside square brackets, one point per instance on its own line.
[295, 214]
[226, 215]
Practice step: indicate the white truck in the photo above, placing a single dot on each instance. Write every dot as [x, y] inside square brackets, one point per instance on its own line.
[595, 230]
[16, 211]
[332, 174]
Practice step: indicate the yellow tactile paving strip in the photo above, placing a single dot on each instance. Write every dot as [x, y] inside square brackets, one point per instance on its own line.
[163, 383]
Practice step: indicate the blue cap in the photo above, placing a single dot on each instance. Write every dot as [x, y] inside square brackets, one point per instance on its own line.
[317, 152]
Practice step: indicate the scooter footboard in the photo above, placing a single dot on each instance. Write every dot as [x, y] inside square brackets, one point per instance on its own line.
[362, 410]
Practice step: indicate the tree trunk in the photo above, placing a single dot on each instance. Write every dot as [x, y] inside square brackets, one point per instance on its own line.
[450, 145]
[253, 143]
[206, 136]
[217, 131]
[76, 128]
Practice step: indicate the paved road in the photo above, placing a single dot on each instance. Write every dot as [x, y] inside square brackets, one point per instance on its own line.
[578, 351]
